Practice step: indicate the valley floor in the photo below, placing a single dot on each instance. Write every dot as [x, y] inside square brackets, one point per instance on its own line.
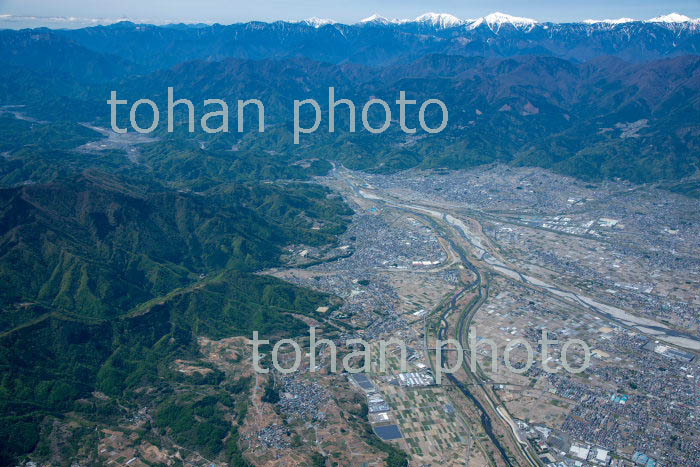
[615, 265]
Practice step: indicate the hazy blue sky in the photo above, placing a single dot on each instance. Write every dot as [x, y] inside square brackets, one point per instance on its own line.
[347, 11]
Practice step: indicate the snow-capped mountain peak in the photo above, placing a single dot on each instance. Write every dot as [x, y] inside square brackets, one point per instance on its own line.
[671, 18]
[497, 19]
[442, 20]
[377, 19]
[318, 22]
[502, 18]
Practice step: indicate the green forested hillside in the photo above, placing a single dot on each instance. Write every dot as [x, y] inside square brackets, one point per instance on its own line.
[51, 362]
[107, 279]
[600, 119]
[97, 247]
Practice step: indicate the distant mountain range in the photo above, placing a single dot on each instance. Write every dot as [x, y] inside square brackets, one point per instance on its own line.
[377, 40]
[519, 91]
[498, 19]
[442, 20]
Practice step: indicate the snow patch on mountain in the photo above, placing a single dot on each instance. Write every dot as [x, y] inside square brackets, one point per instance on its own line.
[377, 19]
[498, 17]
[610, 21]
[317, 22]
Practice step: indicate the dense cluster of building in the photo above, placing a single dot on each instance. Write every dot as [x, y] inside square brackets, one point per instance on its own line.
[652, 229]
[379, 243]
[301, 398]
[274, 436]
[657, 396]
[416, 379]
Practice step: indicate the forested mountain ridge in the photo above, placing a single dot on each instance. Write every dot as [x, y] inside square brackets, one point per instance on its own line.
[107, 280]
